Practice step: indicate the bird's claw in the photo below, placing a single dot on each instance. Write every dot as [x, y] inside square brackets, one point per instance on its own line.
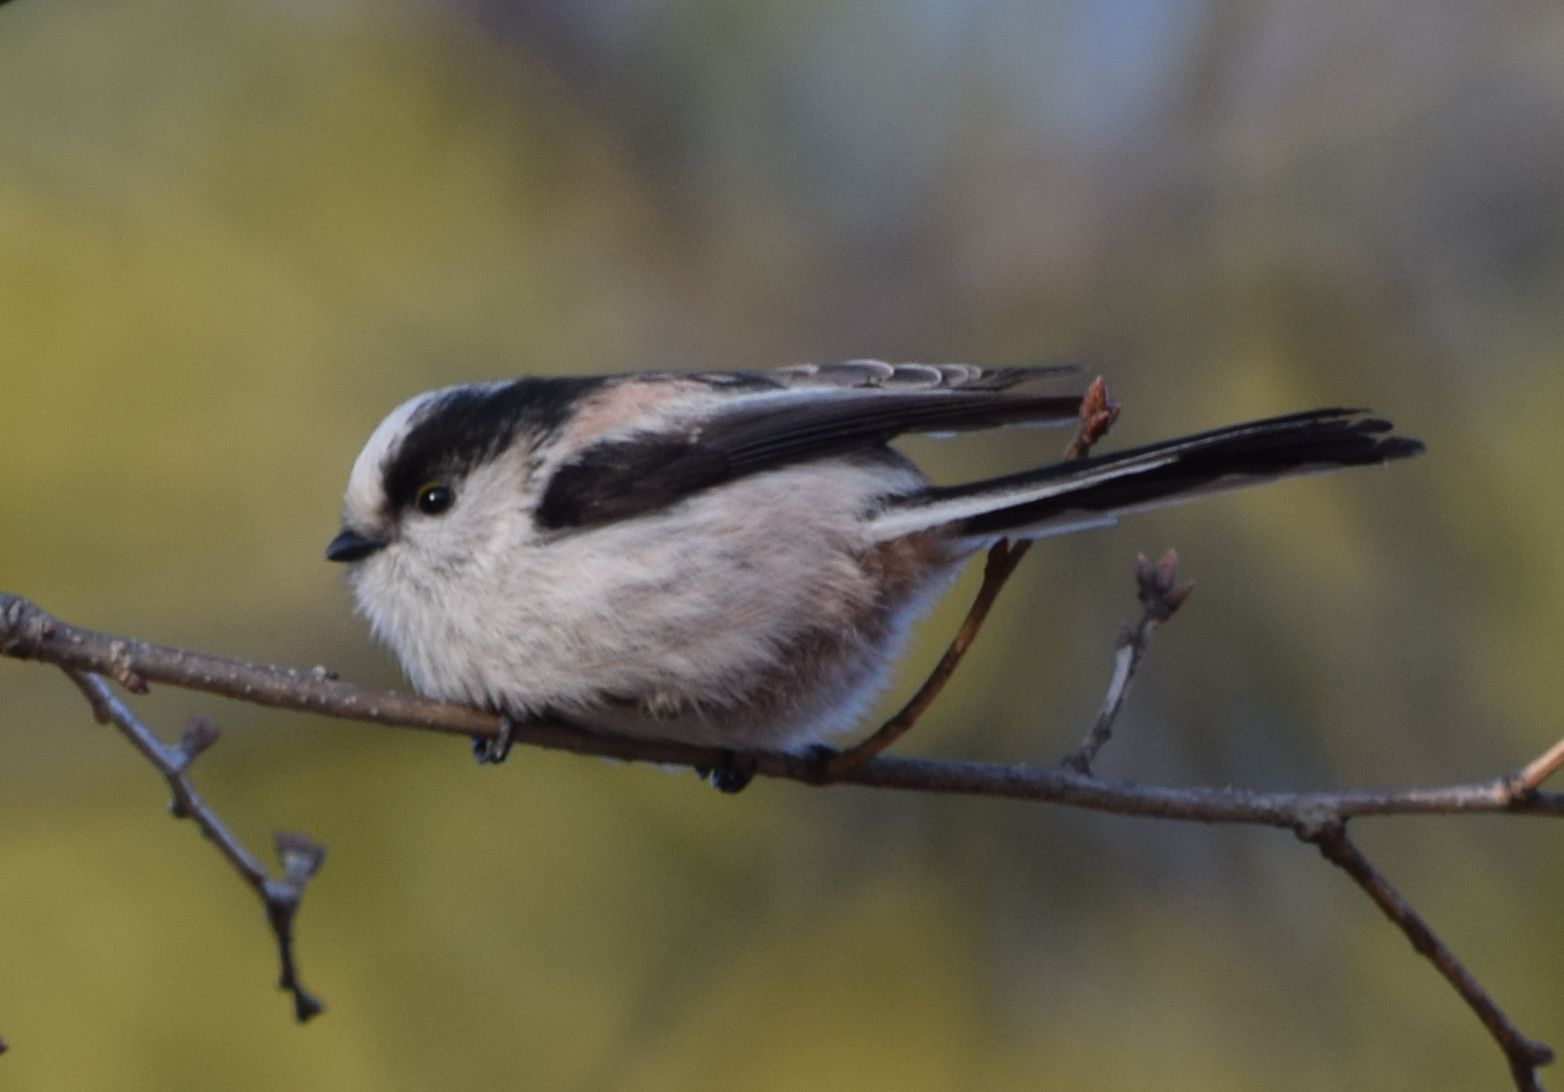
[491, 750]
[732, 774]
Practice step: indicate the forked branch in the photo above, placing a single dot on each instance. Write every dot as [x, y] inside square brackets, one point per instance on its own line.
[301, 856]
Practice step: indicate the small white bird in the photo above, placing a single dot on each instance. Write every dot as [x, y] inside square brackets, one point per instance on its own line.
[729, 559]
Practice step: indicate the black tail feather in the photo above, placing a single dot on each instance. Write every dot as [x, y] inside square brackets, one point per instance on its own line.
[1090, 490]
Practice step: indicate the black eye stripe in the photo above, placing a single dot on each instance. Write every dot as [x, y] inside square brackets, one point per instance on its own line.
[466, 427]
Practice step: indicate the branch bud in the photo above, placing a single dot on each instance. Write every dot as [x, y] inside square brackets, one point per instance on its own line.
[1159, 588]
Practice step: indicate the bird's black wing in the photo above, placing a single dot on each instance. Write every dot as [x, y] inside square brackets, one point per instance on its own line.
[792, 415]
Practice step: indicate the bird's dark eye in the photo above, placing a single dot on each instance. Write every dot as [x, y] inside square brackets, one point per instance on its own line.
[435, 498]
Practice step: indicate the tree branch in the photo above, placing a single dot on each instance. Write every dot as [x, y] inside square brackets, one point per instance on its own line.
[300, 855]
[1161, 595]
[1524, 1054]
[28, 633]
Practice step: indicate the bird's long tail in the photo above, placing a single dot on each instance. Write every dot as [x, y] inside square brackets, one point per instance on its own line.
[1090, 492]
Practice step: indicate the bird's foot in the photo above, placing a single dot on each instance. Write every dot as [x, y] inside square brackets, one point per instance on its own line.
[491, 750]
[736, 770]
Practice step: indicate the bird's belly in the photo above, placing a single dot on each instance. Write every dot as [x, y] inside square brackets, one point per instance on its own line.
[704, 625]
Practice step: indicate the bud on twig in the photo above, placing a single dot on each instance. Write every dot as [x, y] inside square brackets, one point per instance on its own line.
[1160, 591]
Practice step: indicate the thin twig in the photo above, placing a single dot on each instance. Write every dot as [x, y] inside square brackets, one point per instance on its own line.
[1003, 557]
[1539, 769]
[300, 855]
[301, 858]
[1097, 414]
[1524, 1054]
[1161, 594]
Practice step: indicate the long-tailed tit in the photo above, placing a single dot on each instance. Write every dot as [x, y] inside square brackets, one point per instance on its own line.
[730, 559]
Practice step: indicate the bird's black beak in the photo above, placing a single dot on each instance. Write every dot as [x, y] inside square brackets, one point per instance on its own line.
[352, 546]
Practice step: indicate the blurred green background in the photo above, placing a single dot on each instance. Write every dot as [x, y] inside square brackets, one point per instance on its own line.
[233, 235]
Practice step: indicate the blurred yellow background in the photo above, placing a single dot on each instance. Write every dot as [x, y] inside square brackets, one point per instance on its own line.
[233, 235]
